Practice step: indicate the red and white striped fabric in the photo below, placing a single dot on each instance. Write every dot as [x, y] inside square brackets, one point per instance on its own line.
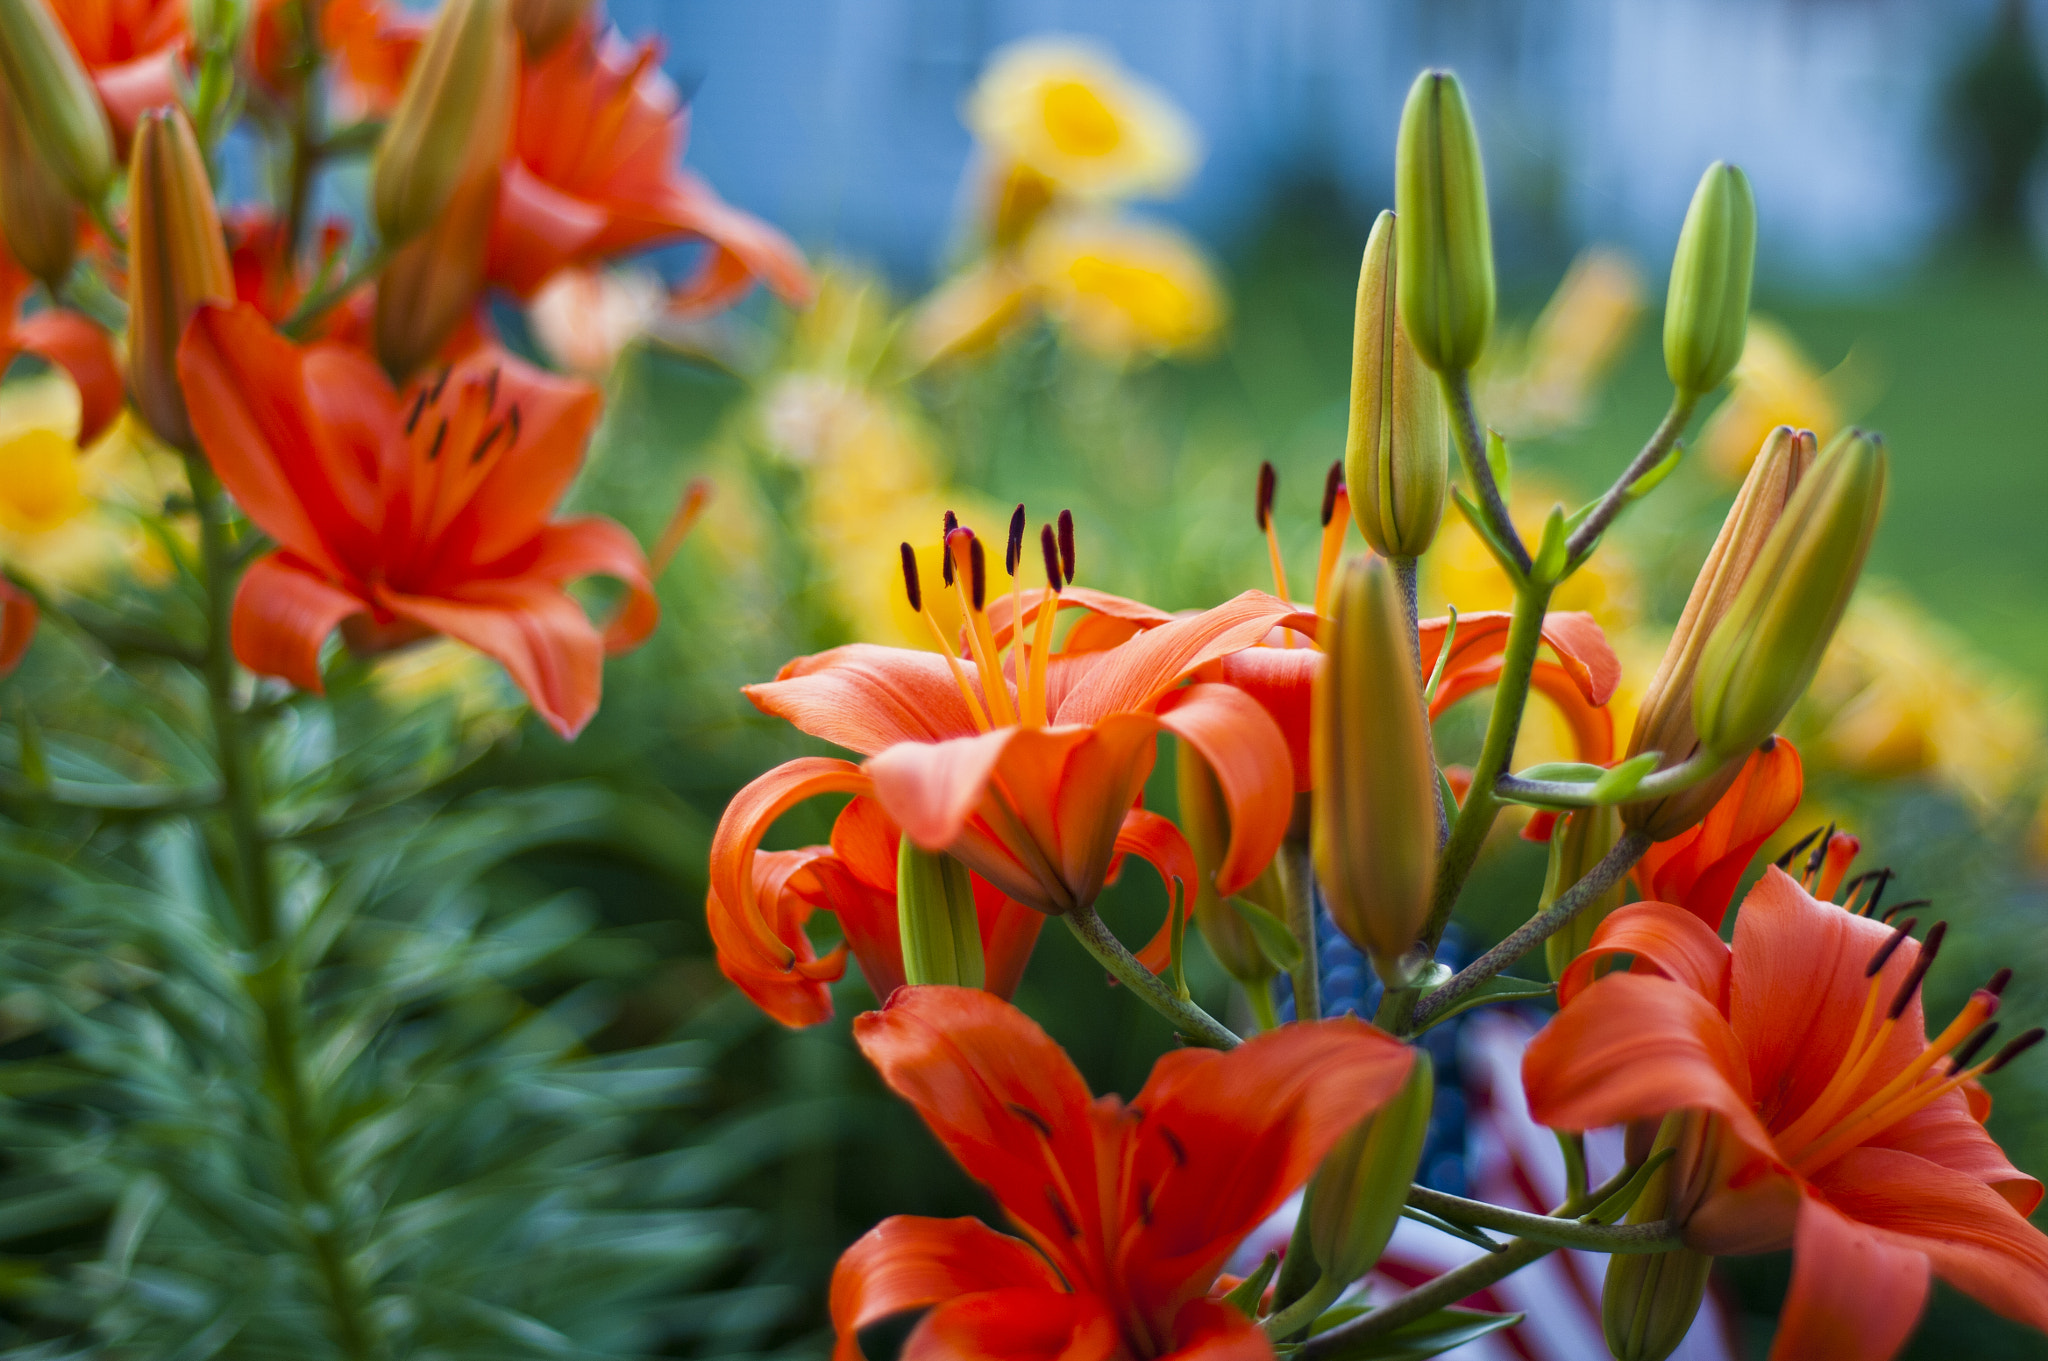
[1515, 1162]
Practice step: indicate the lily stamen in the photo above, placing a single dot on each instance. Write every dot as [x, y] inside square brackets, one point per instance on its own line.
[970, 579]
[1865, 1044]
[1783, 862]
[1013, 553]
[1269, 483]
[1336, 519]
[1067, 546]
[1039, 658]
[912, 589]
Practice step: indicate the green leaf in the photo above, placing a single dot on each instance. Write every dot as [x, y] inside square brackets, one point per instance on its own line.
[1245, 1298]
[1617, 784]
[1431, 1335]
[1477, 519]
[1499, 460]
[1275, 941]
[1565, 772]
[1478, 1238]
[1499, 988]
[1550, 551]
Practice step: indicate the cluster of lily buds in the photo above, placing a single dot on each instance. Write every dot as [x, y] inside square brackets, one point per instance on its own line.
[1649, 1300]
[1397, 449]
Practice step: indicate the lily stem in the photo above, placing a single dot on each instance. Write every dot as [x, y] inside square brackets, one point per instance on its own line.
[1298, 884]
[276, 986]
[1190, 1020]
[315, 306]
[1457, 385]
[1541, 927]
[1617, 496]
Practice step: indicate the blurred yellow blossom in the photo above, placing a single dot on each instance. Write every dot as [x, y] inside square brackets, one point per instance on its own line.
[1066, 110]
[1546, 382]
[69, 520]
[1900, 694]
[584, 318]
[485, 702]
[970, 312]
[1459, 570]
[1774, 384]
[1124, 288]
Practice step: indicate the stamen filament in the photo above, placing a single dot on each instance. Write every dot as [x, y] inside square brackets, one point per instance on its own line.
[1336, 519]
[1039, 658]
[915, 592]
[980, 642]
[1269, 482]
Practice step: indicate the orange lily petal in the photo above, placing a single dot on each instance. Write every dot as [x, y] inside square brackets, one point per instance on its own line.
[1098, 780]
[1977, 1241]
[1856, 1294]
[1282, 680]
[1009, 930]
[538, 230]
[1950, 1133]
[285, 609]
[931, 788]
[743, 249]
[18, 615]
[556, 416]
[86, 353]
[539, 635]
[1101, 603]
[1136, 673]
[746, 820]
[795, 996]
[1255, 770]
[909, 1262]
[132, 88]
[1665, 940]
[1004, 1100]
[1017, 1324]
[867, 698]
[1210, 1330]
[1592, 725]
[1158, 842]
[1701, 867]
[1220, 1140]
[1576, 640]
[584, 545]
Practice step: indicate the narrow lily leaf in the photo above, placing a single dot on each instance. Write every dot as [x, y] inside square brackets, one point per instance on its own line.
[1550, 551]
[1617, 784]
[1252, 1289]
[1565, 772]
[1499, 988]
[1431, 1335]
[1499, 460]
[1477, 519]
[1660, 470]
[1275, 941]
[1617, 1205]
[1476, 1237]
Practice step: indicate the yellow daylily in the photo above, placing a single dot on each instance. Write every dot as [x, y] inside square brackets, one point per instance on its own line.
[1066, 110]
[1547, 382]
[1122, 288]
[1774, 384]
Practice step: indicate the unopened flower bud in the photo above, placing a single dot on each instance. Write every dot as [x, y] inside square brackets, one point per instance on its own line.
[1445, 283]
[454, 114]
[1356, 1196]
[1205, 821]
[544, 23]
[1706, 313]
[935, 915]
[177, 259]
[431, 284]
[1397, 450]
[1664, 722]
[1374, 833]
[1580, 841]
[57, 101]
[1765, 650]
[1650, 1299]
[38, 217]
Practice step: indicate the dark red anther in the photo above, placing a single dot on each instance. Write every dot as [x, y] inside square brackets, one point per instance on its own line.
[1060, 1212]
[1897, 908]
[1269, 482]
[1333, 483]
[1884, 951]
[1929, 948]
[1067, 545]
[946, 548]
[1971, 1047]
[1180, 1153]
[440, 438]
[1014, 549]
[2019, 1046]
[910, 586]
[1025, 1112]
[977, 570]
[1784, 862]
[1049, 547]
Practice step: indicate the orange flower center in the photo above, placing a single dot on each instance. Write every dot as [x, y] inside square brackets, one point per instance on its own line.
[456, 433]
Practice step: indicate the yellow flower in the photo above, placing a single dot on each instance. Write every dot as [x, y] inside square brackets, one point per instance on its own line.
[1898, 694]
[1458, 570]
[1067, 110]
[1122, 288]
[69, 520]
[1774, 384]
[970, 312]
[1547, 383]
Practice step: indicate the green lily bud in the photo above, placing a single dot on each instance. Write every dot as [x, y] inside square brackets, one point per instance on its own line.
[1445, 283]
[1664, 722]
[1578, 842]
[454, 114]
[38, 217]
[56, 99]
[177, 259]
[1374, 830]
[1205, 821]
[1356, 1196]
[1397, 451]
[935, 914]
[1766, 648]
[1706, 313]
[1650, 1299]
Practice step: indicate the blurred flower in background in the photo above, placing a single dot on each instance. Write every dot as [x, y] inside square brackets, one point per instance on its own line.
[1123, 288]
[1776, 384]
[1545, 381]
[585, 318]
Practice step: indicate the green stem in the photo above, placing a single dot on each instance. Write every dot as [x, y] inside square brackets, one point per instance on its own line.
[1298, 885]
[1197, 1025]
[1617, 496]
[1541, 927]
[1475, 818]
[1550, 1230]
[1286, 1322]
[307, 149]
[1260, 995]
[275, 987]
[1457, 385]
[315, 306]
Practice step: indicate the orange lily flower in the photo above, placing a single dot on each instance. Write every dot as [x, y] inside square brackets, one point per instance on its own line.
[1127, 1213]
[400, 515]
[372, 44]
[1823, 1118]
[594, 173]
[18, 616]
[1700, 868]
[131, 49]
[854, 878]
[67, 340]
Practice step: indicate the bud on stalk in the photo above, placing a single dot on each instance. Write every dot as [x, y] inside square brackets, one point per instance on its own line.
[59, 106]
[1765, 650]
[454, 114]
[1397, 450]
[1205, 821]
[935, 915]
[544, 23]
[1356, 1196]
[1706, 313]
[38, 217]
[431, 284]
[1445, 244]
[1374, 834]
[1580, 841]
[1650, 1299]
[1664, 722]
[177, 259]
